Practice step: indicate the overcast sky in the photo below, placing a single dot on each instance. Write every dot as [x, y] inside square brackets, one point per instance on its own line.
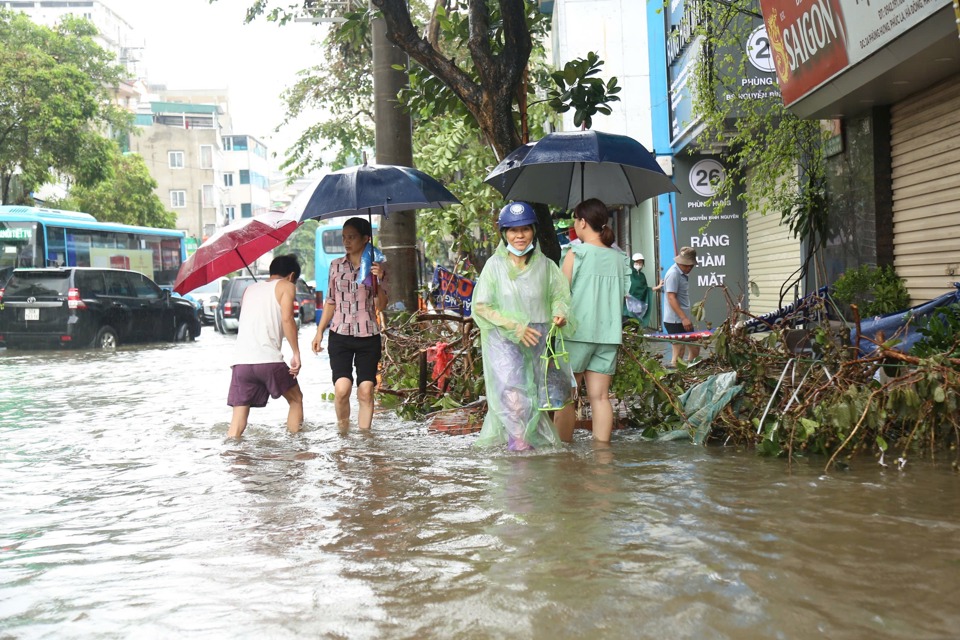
[192, 44]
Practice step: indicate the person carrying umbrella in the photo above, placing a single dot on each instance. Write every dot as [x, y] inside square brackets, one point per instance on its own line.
[599, 281]
[519, 294]
[266, 317]
[350, 311]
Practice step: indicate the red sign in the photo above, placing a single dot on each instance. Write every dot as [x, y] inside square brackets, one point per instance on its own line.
[809, 41]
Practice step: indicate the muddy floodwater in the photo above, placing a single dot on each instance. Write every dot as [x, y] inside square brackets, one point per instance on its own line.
[126, 513]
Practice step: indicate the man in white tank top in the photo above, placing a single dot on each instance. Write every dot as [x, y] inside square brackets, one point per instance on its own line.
[266, 317]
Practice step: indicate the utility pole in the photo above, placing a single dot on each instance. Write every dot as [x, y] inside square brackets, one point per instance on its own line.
[394, 145]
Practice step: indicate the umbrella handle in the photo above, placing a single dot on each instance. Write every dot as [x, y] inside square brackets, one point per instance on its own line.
[237, 251]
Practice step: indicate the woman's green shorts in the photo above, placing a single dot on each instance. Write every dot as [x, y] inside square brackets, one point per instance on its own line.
[589, 356]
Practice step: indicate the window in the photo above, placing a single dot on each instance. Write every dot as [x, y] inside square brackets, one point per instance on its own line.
[333, 242]
[144, 288]
[208, 199]
[228, 179]
[176, 159]
[246, 211]
[244, 176]
[235, 143]
[206, 156]
[118, 284]
[231, 213]
[178, 199]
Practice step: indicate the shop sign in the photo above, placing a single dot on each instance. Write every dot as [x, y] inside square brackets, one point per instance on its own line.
[754, 81]
[719, 239]
[815, 40]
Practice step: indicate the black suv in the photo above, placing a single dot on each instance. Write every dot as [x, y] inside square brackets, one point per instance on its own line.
[83, 306]
[226, 318]
[307, 299]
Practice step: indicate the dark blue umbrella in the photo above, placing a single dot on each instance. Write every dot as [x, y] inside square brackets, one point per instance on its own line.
[372, 189]
[567, 167]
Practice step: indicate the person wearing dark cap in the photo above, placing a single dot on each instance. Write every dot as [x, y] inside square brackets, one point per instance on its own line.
[676, 311]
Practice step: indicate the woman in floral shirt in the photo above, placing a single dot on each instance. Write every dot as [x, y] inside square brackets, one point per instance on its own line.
[350, 311]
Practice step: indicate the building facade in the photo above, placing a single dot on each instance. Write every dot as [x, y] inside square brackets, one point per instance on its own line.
[745, 250]
[245, 183]
[180, 144]
[116, 35]
[885, 79]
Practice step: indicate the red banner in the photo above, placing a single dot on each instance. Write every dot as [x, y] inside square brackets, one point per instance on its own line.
[808, 38]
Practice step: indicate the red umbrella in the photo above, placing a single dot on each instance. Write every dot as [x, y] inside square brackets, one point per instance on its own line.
[233, 248]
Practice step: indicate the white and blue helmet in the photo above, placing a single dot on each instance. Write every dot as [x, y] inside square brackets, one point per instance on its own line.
[517, 214]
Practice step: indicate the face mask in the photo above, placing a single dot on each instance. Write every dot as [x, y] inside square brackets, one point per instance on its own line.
[636, 265]
[517, 252]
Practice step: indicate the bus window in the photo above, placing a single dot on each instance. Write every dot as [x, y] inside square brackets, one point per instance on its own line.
[18, 247]
[56, 246]
[333, 242]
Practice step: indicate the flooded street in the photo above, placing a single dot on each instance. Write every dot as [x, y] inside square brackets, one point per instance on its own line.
[125, 512]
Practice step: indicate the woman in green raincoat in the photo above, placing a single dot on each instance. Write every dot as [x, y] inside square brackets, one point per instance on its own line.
[519, 294]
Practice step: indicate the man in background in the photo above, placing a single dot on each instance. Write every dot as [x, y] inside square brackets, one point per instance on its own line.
[676, 310]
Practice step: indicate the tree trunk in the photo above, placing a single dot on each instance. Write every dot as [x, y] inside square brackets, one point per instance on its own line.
[491, 101]
[394, 144]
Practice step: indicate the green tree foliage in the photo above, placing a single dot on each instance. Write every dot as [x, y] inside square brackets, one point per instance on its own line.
[757, 134]
[578, 90]
[875, 290]
[127, 196]
[55, 103]
[463, 65]
[341, 85]
[302, 244]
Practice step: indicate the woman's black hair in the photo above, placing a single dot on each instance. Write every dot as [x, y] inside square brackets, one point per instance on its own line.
[360, 225]
[595, 214]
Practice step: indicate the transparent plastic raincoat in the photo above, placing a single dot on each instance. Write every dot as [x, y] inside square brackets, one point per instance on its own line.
[506, 300]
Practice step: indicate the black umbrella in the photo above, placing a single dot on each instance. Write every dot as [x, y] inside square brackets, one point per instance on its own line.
[372, 189]
[565, 168]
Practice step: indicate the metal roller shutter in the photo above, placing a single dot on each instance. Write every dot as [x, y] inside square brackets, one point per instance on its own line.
[773, 257]
[925, 150]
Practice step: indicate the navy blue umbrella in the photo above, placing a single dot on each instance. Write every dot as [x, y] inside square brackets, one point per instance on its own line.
[567, 167]
[372, 189]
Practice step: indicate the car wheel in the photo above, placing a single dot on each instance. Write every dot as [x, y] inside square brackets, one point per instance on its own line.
[106, 338]
[182, 334]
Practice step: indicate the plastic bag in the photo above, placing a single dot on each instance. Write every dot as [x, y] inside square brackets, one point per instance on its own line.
[370, 255]
[635, 307]
[556, 390]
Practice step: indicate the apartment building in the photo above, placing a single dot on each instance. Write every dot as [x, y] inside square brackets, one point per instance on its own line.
[116, 35]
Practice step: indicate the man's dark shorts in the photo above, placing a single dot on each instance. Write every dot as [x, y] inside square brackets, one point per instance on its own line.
[674, 327]
[252, 383]
[344, 351]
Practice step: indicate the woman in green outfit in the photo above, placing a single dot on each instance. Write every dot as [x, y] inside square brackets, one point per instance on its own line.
[599, 281]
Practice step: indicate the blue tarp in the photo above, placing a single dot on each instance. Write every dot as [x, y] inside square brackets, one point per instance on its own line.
[891, 323]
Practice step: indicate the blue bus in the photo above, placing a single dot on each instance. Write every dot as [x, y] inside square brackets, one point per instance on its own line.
[329, 247]
[36, 237]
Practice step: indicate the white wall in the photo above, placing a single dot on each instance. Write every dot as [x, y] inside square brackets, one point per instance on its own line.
[616, 30]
